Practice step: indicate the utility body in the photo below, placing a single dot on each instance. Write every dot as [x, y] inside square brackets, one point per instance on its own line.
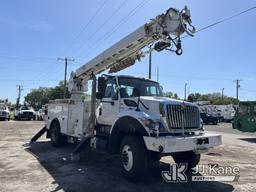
[128, 115]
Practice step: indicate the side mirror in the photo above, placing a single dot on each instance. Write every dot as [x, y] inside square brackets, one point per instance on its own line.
[102, 85]
[99, 95]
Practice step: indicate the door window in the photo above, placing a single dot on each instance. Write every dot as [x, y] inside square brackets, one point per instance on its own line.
[110, 89]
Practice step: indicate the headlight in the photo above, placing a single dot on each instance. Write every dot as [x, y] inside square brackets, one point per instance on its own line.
[153, 125]
[149, 123]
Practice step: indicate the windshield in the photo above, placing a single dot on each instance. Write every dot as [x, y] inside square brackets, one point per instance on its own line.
[25, 108]
[132, 87]
[2, 107]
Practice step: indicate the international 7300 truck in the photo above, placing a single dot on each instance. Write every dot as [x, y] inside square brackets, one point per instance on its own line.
[127, 115]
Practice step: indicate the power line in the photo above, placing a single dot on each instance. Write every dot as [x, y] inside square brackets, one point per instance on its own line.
[117, 26]
[25, 57]
[26, 70]
[28, 80]
[223, 20]
[86, 26]
[100, 27]
[42, 60]
[249, 90]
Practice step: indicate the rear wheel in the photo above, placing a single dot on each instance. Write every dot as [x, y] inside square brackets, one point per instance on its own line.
[189, 157]
[133, 157]
[57, 139]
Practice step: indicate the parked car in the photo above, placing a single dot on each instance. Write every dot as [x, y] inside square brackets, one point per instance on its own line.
[40, 115]
[4, 112]
[207, 118]
[25, 112]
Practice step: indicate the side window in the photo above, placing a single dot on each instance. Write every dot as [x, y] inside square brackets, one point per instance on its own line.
[126, 91]
[151, 91]
[110, 88]
[254, 109]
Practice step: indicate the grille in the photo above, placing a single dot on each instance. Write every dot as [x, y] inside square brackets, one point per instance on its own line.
[191, 117]
[2, 113]
[28, 113]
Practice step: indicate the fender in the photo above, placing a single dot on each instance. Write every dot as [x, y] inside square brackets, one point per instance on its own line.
[127, 122]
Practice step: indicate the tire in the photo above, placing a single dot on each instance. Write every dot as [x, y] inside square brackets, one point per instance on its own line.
[189, 157]
[133, 157]
[57, 139]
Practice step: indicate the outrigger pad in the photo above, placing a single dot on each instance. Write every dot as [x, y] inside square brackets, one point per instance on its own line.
[38, 135]
[75, 155]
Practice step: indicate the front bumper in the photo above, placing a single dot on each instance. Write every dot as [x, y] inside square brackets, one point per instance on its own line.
[171, 144]
[4, 116]
[26, 115]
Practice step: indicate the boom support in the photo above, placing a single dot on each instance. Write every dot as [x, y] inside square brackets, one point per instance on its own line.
[163, 31]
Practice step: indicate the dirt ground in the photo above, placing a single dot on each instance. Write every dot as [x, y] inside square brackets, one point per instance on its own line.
[41, 167]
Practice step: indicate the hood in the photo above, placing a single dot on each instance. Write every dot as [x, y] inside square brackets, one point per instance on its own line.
[28, 110]
[153, 103]
[164, 100]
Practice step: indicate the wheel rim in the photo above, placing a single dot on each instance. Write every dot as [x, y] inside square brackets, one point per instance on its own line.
[127, 158]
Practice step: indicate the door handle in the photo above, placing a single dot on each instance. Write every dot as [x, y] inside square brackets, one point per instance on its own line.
[111, 102]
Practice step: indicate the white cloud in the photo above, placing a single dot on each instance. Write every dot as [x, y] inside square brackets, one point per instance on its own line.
[40, 26]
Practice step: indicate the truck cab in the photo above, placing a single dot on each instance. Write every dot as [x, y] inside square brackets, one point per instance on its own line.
[143, 100]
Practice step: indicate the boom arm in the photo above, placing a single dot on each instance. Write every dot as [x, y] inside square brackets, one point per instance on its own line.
[129, 49]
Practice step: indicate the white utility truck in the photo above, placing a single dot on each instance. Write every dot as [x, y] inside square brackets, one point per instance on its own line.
[129, 115]
[24, 112]
[4, 112]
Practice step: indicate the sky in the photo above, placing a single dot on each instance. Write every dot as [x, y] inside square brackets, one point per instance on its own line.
[34, 34]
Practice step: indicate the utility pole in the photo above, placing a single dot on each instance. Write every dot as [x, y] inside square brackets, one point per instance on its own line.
[222, 94]
[185, 92]
[19, 95]
[65, 73]
[150, 62]
[157, 74]
[237, 81]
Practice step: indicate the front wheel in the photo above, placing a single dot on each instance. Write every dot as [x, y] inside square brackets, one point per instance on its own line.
[189, 157]
[133, 157]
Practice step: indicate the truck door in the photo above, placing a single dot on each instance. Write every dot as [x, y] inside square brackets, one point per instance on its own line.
[109, 108]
